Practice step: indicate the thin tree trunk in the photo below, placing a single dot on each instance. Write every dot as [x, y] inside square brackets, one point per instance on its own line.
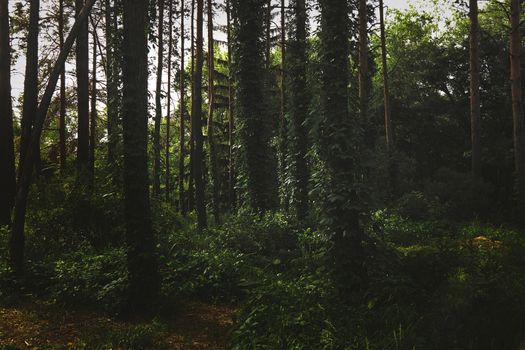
[517, 104]
[389, 132]
[283, 122]
[144, 279]
[168, 116]
[93, 127]
[82, 63]
[268, 36]
[363, 59]
[62, 117]
[475, 109]
[298, 108]
[196, 117]
[158, 103]
[191, 187]
[7, 150]
[112, 83]
[231, 172]
[182, 199]
[30, 104]
[16, 244]
[214, 163]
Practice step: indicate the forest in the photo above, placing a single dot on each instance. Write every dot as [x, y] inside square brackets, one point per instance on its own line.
[262, 174]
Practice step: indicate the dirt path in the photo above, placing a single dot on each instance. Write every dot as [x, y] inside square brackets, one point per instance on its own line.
[197, 326]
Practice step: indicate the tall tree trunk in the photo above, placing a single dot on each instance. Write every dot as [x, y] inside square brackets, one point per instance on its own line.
[475, 110]
[182, 199]
[337, 148]
[82, 63]
[214, 163]
[112, 87]
[260, 162]
[517, 104]
[16, 244]
[168, 116]
[283, 121]
[191, 185]
[268, 36]
[144, 280]
[158, 102]
[389, 131]
[363, 59]
[93, 122]
[7, 151]
[30, 104]
[298, 108]
[196, 117]
[231, 168]
[62, 117]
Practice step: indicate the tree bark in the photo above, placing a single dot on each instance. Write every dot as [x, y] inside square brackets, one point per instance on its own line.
[389, 131]
[30, 104]
[363, 59]
[16, 244]
[7, 151]
[214, 163]
[182, 134]
[112, 87]
[196, 116]
[168, 115]
[82, 64]
[475, 108]
[62, 116]
[144, 281]
[191, 185]
[158, 102]
[94, 115]
[231, 162]
[517, 105]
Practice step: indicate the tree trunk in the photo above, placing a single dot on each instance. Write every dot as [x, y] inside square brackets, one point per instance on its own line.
[144, 281]
[7, 151]
[298, 108]
[30, 104]
[337, 149]
[283, 122]
[62, 117]
[158, 103]
[196, 116]
[16, 244]
[93, 122]
[82, 63]
[112, 87]
[363, 59]
[168, 115]
[268, 36]
[475, 112]
[182, 199]
[214, 163]
[517, 104]
[191, 187]
[231, 172]
[389, 131]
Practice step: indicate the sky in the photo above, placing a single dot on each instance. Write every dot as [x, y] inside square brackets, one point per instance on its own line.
[18, 71]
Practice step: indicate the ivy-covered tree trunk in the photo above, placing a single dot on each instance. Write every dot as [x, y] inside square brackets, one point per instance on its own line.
[112, 87]
[7, 151]
[255, 134]
[158, 102]
[30, 103]
[389, 131]
[17, 239]
[196, 124]
[168, 114]
[338, 139]
[475, 107]
[517, 104]
[363, 59]
[298, 107]
[82, 75]
[182, 134]
[231, 162]
[62, 113]
[142, 265]
[214, 163]
[93, 114]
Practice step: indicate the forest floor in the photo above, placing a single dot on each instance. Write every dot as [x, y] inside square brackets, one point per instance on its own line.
[196, 326]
